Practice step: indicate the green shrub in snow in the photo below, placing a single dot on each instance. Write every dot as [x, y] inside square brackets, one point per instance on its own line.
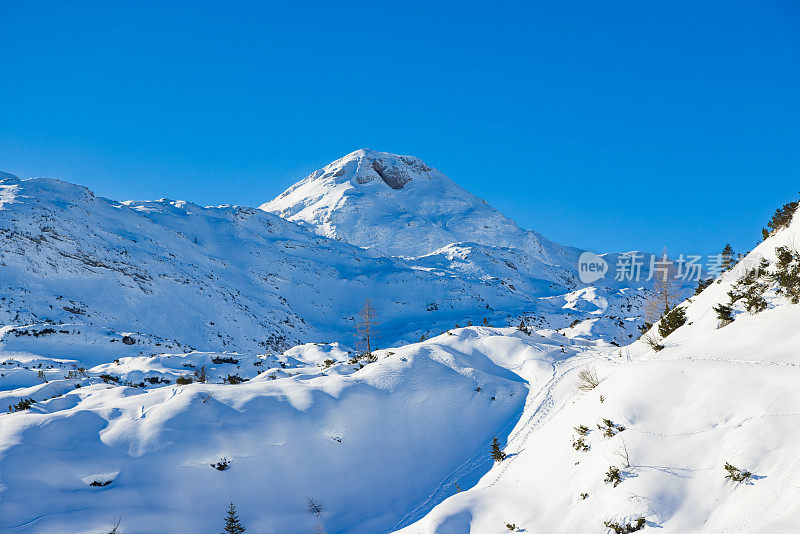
[724, 313]
[671, 321]
[702, 284]
[613, 476]
[780, 219]
[609, 428]
[626, 528]
[750, 289]
[497, 454]
[787, 274]
[579, 444]
[523, 328]
[23, 404]
[737, 475]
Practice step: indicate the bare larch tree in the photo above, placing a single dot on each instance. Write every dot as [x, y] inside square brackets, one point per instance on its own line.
[365, 327]
[666, 289]
[316, 508]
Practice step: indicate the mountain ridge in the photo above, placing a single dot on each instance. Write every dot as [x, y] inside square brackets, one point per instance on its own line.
[244, 279]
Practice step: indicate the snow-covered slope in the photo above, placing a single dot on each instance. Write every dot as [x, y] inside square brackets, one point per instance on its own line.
[401, 206]
[714, 394]
[147, 364]
[231, 277]
[369, 442]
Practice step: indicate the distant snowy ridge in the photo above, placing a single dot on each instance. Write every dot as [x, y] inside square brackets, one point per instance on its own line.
[238, 278]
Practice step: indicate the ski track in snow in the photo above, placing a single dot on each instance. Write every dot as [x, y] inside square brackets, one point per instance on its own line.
[544, 411]
[541, 402]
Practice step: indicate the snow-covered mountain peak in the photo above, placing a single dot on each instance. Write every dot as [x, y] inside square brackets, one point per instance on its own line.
[401, 206]
[366, 165]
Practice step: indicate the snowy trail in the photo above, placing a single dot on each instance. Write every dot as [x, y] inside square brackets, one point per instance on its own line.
[539, 407]
[544, 408]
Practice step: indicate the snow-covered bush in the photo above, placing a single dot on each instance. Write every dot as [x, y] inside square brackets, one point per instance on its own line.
[23, 404]
[234, 379]
[609, 428]
[579, 444]
[626, 528]
[522, 328]
[222, 464]
[218, 360]
[613, 476]
[737, 475]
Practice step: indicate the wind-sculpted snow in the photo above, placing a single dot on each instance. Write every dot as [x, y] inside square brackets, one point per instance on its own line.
[368, 440]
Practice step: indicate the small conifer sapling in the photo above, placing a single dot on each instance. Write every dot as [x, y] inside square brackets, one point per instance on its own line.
[232, 523]
[497, 454]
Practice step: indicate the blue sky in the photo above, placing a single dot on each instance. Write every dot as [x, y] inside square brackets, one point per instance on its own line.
[608, 125]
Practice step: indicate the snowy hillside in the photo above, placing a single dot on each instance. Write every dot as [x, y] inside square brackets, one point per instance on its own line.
[160, 360]
[232, 277]
[369, 441]
[717, 393]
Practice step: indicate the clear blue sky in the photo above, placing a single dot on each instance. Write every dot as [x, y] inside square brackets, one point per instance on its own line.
[608, 125]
